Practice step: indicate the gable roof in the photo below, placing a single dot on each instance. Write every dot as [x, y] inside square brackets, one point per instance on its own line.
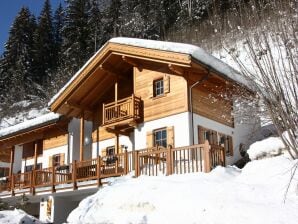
[76, 94]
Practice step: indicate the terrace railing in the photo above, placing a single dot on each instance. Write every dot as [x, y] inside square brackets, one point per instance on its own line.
[151, 161]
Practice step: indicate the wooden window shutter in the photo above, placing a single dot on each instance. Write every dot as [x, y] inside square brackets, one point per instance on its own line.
[62, 159]
[166, 80]
[50, 161]
[150, 90]
[149, 139]
[104, 152]
[170, 136]
[120, 149]
[230, 139]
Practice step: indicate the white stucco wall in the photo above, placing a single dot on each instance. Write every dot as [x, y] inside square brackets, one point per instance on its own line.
[181, 130]
[4, 164]
[123, 140]
[17, 164]
[240, 133]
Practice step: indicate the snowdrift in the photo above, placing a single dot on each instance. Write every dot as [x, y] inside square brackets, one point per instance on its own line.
[229, 195]
[17, 216]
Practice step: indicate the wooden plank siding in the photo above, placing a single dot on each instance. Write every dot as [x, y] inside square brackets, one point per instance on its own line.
[173, 102]
[54, 142]
[213, 105]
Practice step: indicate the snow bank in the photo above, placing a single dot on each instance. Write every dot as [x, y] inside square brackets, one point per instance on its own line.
[17, 216]
[226, 195]
[267, 147]
[29, 123]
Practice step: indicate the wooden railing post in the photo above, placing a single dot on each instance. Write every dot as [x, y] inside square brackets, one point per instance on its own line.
[53, 179]
[74, 175]
[137, 168]
[32, 181]
[207, 157]
[98, 171]
[169, 161]
[103, 113]
[223, 155]
[133, 105]
[12, 184]
[126, 169]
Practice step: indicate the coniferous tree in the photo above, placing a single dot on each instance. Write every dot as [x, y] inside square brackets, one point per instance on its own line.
[44, 46]
[17, 64]
[58, 22]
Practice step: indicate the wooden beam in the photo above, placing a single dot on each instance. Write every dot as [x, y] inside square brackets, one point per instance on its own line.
[116, 91]
[11, 160]
[115, 131]
[35, 155]
[132, 62]
[82, 136]
[117, 143]
[177, 70]
[78, 106]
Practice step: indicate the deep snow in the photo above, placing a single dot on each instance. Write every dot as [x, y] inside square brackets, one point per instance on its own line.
[17, 216]
[229, 195]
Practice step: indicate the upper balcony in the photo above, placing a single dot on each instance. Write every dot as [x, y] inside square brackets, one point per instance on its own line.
[123, 114]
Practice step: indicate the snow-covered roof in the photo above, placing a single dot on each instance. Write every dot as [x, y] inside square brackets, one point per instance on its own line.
[42, 120]
[194, 51]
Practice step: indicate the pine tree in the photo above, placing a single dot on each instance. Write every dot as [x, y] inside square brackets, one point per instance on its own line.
[17, 64]
[58, 22]
[44, 46]
[76, 36]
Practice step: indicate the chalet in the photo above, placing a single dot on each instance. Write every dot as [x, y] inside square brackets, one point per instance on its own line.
[150, 106]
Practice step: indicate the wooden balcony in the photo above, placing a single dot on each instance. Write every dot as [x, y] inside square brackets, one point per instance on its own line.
[151, 161]
[123, 114]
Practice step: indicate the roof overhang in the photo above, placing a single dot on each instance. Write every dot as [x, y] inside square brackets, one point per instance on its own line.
[113, 61]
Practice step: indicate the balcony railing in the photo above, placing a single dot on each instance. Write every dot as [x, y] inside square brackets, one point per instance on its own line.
[124, 110]
[150, 161]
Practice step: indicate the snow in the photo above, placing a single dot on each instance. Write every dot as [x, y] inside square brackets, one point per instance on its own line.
[22, 116]
[196, 52]
[229, 195]
[192, 50]
[270, 146]
[17, 216]
[29, 123]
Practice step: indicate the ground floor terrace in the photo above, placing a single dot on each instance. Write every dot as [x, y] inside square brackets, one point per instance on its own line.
[82, 175]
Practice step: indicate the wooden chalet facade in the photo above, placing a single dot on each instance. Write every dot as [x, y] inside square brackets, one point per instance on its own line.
[149, 106]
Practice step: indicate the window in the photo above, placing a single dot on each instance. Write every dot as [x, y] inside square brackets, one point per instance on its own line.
[56, 160]
[160, 137]
[4, 171]
[217, 138]
[31, 167]
[110, 151]
[158, 87]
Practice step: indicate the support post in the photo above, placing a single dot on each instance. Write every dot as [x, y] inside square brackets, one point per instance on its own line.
[53, 179]
[117, 143]
[12, 185]
[82, 135]
[74, 175]
[133, 105]
[32, 181]
[169, 161]
[11, 161]
[137, 168]
[126, 162]
[35, 155]
[116, 91]
[98, 171]
[207, 164]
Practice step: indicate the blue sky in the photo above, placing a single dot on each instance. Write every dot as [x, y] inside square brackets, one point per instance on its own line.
[10, 8]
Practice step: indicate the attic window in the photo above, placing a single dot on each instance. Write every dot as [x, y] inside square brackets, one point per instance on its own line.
[158, 87]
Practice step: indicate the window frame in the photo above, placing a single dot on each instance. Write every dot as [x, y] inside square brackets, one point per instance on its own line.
[162, 139]
[56, 163]
[161, 88]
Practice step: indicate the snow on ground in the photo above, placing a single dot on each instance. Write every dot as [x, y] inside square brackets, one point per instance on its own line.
[229, 195]
[17, 216]
[267, 147]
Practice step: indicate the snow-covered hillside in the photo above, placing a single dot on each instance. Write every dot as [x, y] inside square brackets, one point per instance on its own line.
[229, 195]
